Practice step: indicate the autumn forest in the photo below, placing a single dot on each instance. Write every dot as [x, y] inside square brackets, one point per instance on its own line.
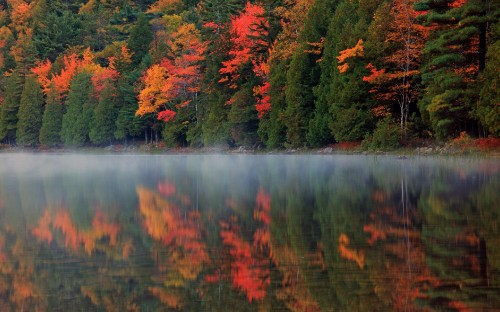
[288, 73]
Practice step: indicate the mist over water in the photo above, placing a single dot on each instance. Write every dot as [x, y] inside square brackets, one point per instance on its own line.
[248, 232]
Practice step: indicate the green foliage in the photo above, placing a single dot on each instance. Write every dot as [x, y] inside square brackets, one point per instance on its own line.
[102, 125]
[304, 74]
[30, 113]
[488, 108]
[140, 38]
[79, 107]
[57, 31]
[272, 130]
[50, 133]
[10, 107]
[450, 93]
[387, 135]
[242, 117]
[215, 127]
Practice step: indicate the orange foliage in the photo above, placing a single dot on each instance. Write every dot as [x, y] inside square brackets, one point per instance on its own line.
[350, 254]
[316, 48]
[293, 291]
[292, 15]
[182, 236]
[20, 14]
[74, 237]
[22, 290]
[165, 6]
[156, 91]
[90, 293]
[356, 51]
[42, 231]
[72, 65]
[128, 247]
[171, 300]
[42, 71]
[177, 78]
[63, 222]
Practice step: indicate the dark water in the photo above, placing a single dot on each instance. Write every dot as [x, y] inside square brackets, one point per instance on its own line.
[248, 233]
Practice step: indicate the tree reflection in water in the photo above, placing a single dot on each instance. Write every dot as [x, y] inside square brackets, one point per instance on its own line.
[250, 233]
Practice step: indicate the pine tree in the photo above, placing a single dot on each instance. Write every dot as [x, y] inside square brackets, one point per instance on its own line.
[453, 57]
[10, 108]
[30, 113]
[50, 133]
[304, 73]
[102, 126]
[79, 107]
[488, 109]
[140, 38]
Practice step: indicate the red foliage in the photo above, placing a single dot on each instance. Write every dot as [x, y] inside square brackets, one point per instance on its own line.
[487, 143]
[247, 273]
[166, 115]
[103, 76]
[263, 104]
[246, 36]
[166, 188]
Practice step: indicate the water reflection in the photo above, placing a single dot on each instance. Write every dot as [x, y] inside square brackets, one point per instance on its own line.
[267, 233]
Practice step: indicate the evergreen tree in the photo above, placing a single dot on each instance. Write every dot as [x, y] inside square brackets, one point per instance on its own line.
[243, 117]
[10, 107]
[79, 107]
[453, 56]
[272, 130]
[488, 110]
[50, 133]
[55, 30]
[304, 73]
[102, 126]
[343, 89]
[140, 38]
[30, 113]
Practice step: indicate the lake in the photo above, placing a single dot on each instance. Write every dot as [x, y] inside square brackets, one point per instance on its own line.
[248, 233]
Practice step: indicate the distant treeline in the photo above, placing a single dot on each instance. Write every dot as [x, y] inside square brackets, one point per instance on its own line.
[286, 73]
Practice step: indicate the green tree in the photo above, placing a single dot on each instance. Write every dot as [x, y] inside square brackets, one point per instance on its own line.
[102, 125]
[344, 91]
[10, 107]
[488, 110]
[140, 38]
[30, 113]
[55, 31]
[79, 103]
[304, 73]
[454, 55]
[50, 133]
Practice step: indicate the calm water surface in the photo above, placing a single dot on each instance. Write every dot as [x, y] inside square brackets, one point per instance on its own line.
[248, 233]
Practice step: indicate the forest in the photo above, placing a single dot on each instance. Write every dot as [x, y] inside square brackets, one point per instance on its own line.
[276, 74]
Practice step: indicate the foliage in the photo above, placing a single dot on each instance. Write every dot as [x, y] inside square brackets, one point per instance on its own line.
[387, 135]
[30, 113]
[288, 73]
[50, 133]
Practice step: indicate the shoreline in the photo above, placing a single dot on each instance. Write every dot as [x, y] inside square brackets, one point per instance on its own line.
[152, 149]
